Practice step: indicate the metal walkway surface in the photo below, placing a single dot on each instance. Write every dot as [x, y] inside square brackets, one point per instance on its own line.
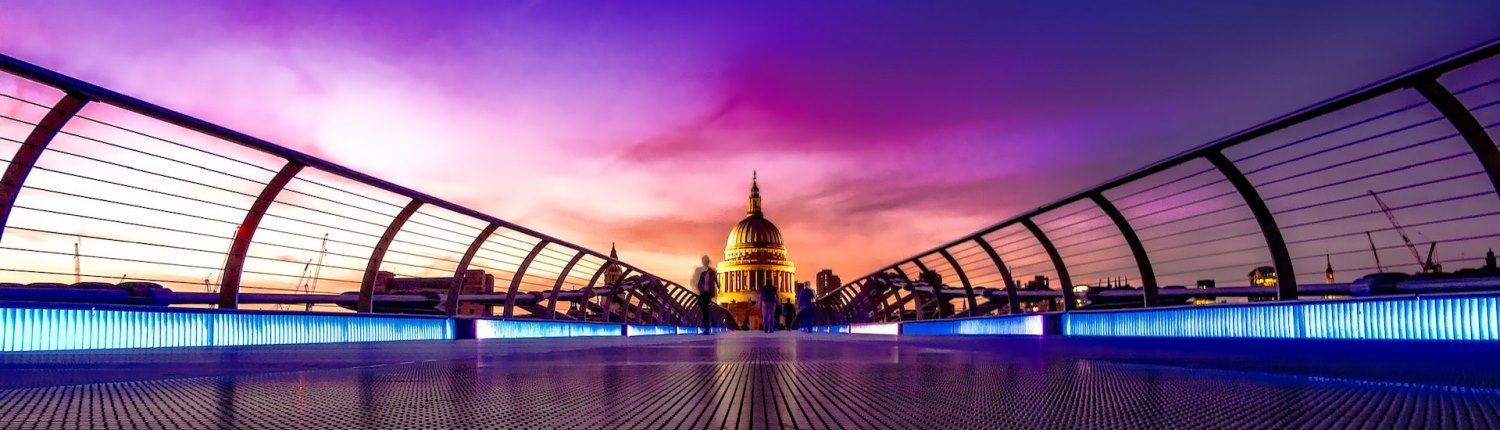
[752, 380]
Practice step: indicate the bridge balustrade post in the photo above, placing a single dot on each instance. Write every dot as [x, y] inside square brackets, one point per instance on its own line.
[1063, 280]
[450, 303]
[1463, 120]
[31, 150]
[1142, 261]
[912, 295]
[366, 302]
[515, 281]
[963, 279]
[1012, 301]
[1286, 275]
[557, 286]
[239, 248]
[922, 276]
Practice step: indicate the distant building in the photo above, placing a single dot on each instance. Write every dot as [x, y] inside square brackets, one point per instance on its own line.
[474, 282]
[1263, 276]
[1038, 283]
[1328, 272]
[613, 274]
[827, 282]
[754, 256]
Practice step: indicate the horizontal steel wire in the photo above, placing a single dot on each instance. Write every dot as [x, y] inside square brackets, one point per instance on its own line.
[1059, 239]
[187, 181]
[1202, 269]
[1392, 209]
[1365, 250]
[175, 247]
[1335, 130]
[25, 101]
[158, 156]
[1018, 264]
[1420, 224]
[1358, 196]
[153, 244]
[1075, 265]
[213, 219]
[992, 240]
[251, 180]
[163, 263]
[1401, 168]
[1008, 244]
[1362, 122]
[1257, 232]
[1237, 205]
[127, 278]
[199, 233]
[1393, 265]
[86, 275]
[1122, 200]
[1326, 168]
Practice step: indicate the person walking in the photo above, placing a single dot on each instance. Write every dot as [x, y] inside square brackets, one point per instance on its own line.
[805, 308]
[788, 314]
[768, 308]
[707, 281]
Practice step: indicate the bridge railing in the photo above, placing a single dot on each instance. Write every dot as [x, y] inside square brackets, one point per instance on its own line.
[1304, 206]
[108, 197]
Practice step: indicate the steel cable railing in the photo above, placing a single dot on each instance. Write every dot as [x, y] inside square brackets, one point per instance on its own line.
[1390, 161]
[130, 187]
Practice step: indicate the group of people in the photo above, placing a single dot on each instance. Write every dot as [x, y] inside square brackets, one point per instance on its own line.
[800, 314]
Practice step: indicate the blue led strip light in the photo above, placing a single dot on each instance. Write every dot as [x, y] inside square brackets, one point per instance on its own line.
[516, 329]
[1030, 325]
[649, 330]
[104, 327]
[831, 329]
[1434, 317]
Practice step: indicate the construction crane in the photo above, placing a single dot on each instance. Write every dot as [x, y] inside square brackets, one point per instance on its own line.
[1397, 225]
[302, 279]
[1375, 252]
[318, 270]
[77, 262]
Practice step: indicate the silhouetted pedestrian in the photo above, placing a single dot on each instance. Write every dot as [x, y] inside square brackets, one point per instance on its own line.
[805, 308]
[788, 314]
[768, 308]
[707, 282]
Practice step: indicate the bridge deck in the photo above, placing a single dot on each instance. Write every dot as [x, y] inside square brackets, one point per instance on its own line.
[746, 380]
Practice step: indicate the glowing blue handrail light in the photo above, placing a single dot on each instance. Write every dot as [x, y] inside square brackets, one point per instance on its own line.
[1467, 317]
[1028, 325]
[520, 329]
[649, 330]
[30, 327]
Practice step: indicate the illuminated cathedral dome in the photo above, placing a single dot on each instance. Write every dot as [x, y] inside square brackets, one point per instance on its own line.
[755, 231]
[754, 255]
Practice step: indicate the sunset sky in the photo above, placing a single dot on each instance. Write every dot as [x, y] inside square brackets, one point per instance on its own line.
[878, 128]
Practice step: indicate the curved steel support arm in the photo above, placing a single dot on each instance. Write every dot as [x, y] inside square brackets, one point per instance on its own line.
[450, 303]
[963, 279]
[1063, 280]
[31, 150]
[1012, 302]
[1468, 127]
[1286, 285]
[1142, 261]
[234, 263]
[515, 281]
[557, 286]
[377, 255]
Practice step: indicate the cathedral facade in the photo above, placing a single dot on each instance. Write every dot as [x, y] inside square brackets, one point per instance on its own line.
[755, 256]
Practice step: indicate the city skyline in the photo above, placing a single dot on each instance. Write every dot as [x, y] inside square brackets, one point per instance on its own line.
[693, 115]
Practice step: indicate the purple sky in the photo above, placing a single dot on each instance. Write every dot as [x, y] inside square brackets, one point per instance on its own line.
[879, 128]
